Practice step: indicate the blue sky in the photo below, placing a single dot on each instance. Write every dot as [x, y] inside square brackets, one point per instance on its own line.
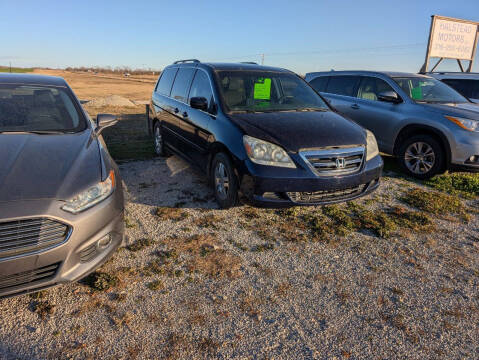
[300, 35]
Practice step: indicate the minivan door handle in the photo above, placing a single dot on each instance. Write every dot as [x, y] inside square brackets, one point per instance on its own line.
[355, 106]
[185, 114]
[176, 110]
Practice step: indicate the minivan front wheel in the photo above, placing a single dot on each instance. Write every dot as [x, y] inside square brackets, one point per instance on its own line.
[421, 156]
[158, 138]
[224, 181]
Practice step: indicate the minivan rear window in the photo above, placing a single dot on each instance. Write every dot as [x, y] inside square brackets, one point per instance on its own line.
[342, 85]
[182, 84]
[166, 80]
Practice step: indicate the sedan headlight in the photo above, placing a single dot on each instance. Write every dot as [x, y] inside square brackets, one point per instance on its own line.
[467, 124]
[265, 153]
[372, 146]
[92, 196]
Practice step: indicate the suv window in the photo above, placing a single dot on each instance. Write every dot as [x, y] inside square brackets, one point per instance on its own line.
[182, 83]
[468, 88]
[343, 85]
[319, 84]
[201, 87]
[371, 87]
[166, 80]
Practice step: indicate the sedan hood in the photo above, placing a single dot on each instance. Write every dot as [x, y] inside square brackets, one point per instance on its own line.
[301, 130]
[466, 110]
[47, 166]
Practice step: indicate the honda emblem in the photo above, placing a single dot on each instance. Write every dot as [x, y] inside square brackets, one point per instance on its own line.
[340, 163]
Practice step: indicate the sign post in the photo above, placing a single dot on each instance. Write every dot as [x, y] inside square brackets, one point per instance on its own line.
[451, 38]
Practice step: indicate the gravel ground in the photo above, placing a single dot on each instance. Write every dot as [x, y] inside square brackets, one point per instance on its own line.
[198, 282]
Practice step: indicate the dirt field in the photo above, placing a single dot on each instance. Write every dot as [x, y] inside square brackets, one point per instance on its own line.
[88, 86]
[394, 275]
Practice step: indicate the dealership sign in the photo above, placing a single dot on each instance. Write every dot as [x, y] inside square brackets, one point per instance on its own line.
[452, 39]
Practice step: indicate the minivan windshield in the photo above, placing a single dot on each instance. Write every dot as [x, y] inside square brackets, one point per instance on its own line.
[40, 109]
[429, 90]
[267, 91]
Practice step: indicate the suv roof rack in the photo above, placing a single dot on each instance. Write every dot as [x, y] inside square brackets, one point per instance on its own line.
[187, 60]
[249, 62]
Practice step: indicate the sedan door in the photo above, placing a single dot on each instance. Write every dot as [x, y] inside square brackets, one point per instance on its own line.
[380, 117]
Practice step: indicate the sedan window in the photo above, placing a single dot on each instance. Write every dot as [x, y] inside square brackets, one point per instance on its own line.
[38, 108]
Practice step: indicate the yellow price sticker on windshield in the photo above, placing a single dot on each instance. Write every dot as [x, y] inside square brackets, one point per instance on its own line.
[262, 89]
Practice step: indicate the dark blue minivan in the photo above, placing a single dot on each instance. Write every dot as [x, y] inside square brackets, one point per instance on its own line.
[263, 132]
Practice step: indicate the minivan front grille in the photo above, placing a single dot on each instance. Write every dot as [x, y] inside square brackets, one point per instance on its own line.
[22, 237]
[322, 196]
[331, 162]
[24, 278]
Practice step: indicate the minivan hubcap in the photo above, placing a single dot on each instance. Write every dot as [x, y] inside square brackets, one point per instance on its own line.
[419, 157]
[158, 140]
[221, 180]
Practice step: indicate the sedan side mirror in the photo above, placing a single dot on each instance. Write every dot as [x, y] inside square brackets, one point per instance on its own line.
[199, 103]
[103, 121]
[389, 96]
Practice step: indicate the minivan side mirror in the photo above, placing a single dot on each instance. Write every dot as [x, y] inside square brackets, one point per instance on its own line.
[103, 121]
[199, 103]
[389, 96]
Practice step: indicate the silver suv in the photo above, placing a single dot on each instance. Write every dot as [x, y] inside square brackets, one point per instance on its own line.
[428, 125]
[465, 83]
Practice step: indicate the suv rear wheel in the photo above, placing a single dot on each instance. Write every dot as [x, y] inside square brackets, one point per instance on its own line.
[224, 181]
[159, 143]
[421, 156]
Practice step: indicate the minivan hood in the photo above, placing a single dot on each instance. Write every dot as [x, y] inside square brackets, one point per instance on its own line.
[301, 130]
[47, 166]
[466, 110]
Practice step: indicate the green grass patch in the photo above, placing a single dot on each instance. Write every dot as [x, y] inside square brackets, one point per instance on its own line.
[7, 69]
[463, 184]
[100, 281]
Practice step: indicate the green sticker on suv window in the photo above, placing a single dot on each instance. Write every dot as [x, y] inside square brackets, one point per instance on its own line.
[262, 89]
[416, 93]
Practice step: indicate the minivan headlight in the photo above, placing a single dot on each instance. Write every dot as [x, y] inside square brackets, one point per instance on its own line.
[91, 196]
[372, 146]
[467, 124]
[265, 153]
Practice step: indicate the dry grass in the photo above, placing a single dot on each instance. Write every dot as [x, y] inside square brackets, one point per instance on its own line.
[168, 213]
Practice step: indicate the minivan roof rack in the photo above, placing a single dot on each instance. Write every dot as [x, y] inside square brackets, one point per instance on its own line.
[187, 60]
[249, 62]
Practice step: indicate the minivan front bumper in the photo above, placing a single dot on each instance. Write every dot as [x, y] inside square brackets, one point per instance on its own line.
[94, 236]
[269, 187]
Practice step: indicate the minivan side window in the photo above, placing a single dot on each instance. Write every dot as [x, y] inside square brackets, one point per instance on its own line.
[371, 87]
[201, 87]
[182, 84]
[342, 85]
[319, 84]
[166, 80]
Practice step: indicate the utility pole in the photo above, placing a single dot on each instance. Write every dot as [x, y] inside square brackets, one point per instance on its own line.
[262, 59]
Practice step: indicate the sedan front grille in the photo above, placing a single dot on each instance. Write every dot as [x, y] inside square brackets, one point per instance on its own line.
[324, 196]
[22, 237]
[331, 162]
[27, 277]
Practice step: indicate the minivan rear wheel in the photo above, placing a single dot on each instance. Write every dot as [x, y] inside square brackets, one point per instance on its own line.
[159, 142]
[224, 181]
[421, 156]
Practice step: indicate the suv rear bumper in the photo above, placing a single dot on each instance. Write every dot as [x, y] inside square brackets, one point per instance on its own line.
[276, 191]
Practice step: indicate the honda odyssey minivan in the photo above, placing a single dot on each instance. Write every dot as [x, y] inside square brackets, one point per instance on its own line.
[261, 131]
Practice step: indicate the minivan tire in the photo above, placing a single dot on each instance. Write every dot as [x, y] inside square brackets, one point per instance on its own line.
[224, 181]
[421, 157]
[159, 143]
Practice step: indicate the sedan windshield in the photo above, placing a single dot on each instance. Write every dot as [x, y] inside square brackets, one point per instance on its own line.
[40, 109]
[429, 90]
[267, 91]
